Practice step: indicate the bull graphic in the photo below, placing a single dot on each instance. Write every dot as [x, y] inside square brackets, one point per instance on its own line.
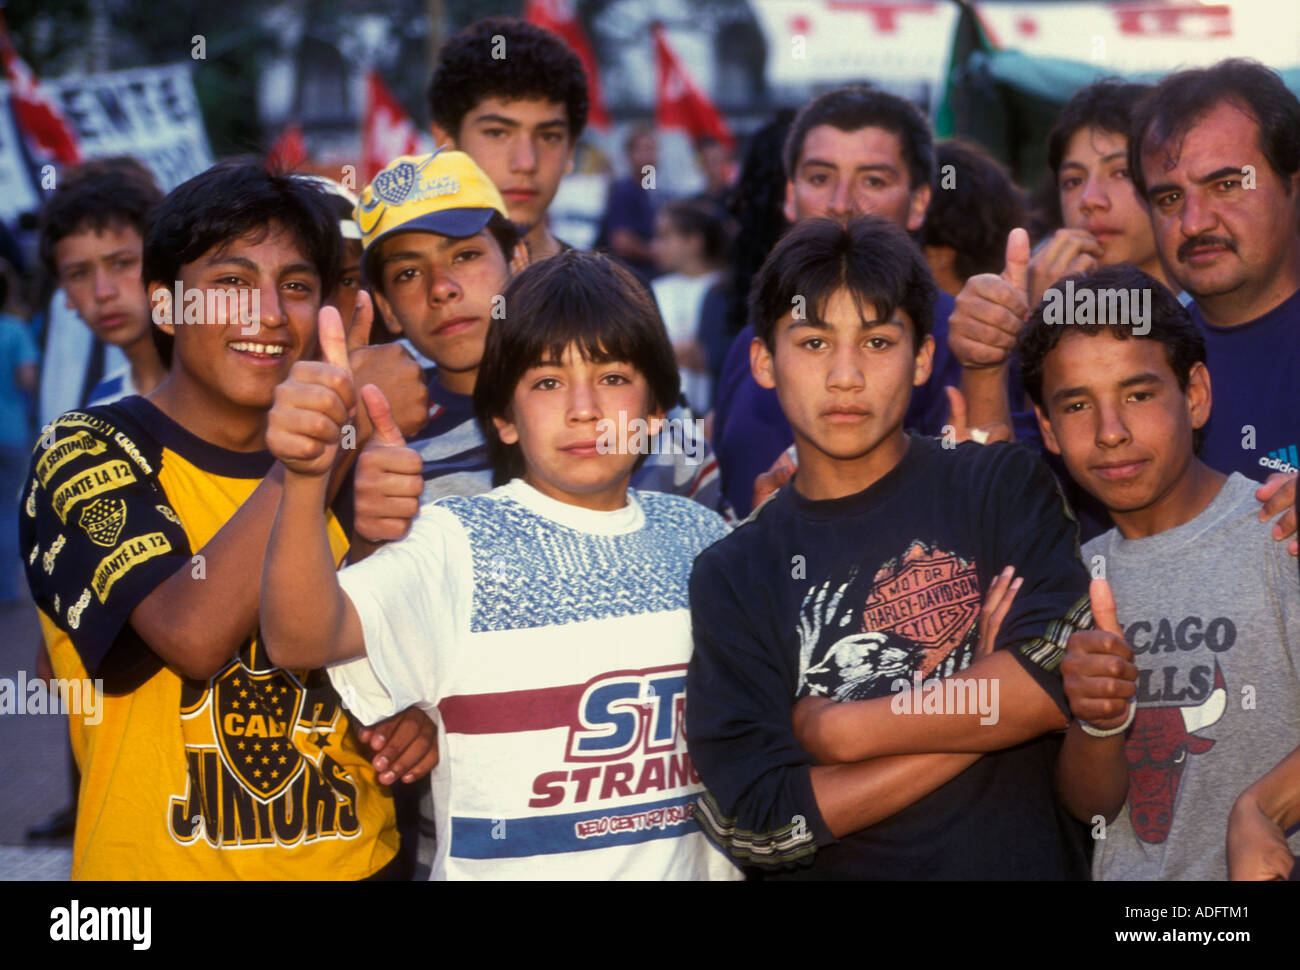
[1157, 750]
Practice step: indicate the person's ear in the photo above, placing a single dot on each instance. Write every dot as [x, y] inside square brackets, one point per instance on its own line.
[924, 362]
[917, 207]
[1199, 397]
[506, 431]
[761, 364]
[788, 209]
[386, 313]
[1049, 436]
[160, 301]
[442, 137]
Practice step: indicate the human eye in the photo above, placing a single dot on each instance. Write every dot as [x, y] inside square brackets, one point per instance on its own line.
[1227, 185]
[1070, 182]
[553, 137]
[466, 255]
[1123, 173]
[1074, 407]
[615, 379]
[813, 343]
[404, 275]
[879, 343]
[1140, 396]
[1166, 199]
[546, 384]
[818, 179]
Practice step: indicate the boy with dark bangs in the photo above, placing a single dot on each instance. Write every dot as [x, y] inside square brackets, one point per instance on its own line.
[827, 624]
[543, 624]
[144, 527]
[1187, 692]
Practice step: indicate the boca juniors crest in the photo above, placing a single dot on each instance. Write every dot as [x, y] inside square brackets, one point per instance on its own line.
[253, 719]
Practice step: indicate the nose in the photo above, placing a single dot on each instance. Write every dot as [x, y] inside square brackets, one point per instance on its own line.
[841, 204]
[1198, 216]
[1094, 195]
[1112, 432]
[443, 288]
[846, 369]
[583, 404]
[105, 285]
[265, 307]
[523, 157]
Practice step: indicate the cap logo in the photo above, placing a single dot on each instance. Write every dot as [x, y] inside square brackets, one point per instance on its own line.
[394, 184]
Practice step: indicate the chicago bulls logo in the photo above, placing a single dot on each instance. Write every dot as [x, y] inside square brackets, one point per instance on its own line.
[254, 715]
[1157, 751]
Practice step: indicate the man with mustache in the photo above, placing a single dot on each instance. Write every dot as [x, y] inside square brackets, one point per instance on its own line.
[1215, 153]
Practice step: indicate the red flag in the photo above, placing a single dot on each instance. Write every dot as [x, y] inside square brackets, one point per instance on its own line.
[289, 150]
[48, 133]
[558, 17]
[679, 103]
[387, 131]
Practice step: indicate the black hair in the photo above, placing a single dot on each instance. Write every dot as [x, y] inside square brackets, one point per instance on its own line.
[871, 257]
[234, 198]
[96, 195]
[1182, 98]
[1107, 105]
[696, 217]
[757, 203]
[857, 106]
[975, 215]
[1170, 325]
[573, 298]
[537, 64]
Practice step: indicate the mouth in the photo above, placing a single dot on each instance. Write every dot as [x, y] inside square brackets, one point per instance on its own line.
[1103, 233]
[1120, 471]
[1205, 251]
[112, 321]
[845, 414]
[520, 194]
[581, 449]
[455, 325]
[260, 352]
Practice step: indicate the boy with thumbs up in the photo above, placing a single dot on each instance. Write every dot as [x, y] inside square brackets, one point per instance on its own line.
[144, 529]
[1186, 691]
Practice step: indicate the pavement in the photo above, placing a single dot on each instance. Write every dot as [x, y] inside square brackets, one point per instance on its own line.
[34, 759]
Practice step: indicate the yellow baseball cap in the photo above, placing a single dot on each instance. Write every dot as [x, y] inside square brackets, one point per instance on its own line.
[443, 192]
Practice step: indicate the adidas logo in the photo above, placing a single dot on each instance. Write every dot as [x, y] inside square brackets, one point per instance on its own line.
[1282, 460]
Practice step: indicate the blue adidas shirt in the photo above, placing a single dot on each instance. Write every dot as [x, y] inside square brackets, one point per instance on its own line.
[1254, 425]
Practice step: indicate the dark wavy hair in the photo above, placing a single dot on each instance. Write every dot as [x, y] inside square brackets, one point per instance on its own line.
[976, 214]
[96, 195]
[871, 257]
[537, 63]
[1182, 98]
[577, 299]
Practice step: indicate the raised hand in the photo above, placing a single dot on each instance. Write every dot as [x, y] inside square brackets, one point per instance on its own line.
[1068, 251]
[958, 429]
[314, 404]
[770, 481]
[1002, 592]
[991, 310]
[1098, 672]
[388, 482]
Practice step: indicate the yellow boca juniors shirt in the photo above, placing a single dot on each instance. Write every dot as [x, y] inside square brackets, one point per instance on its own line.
[252, 774]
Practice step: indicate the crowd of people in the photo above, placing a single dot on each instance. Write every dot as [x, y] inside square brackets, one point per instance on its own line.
[411, 541]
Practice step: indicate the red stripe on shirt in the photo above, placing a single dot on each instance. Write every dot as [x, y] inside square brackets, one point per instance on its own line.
[512, 711]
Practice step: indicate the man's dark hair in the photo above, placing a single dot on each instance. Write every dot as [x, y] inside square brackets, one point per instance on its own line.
[976, 214]
[695, 217]
[97, 195]
[235, 198]
[858, 106]
[1182, 98]
[1107, 105]
[872, 258]
[537, 64]
[574, 298]
[1170, 325]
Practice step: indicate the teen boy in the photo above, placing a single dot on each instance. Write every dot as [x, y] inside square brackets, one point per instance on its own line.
[92, 233]
[543, 623]
[1188, 690]
[438, 264]
[144, 525]
[861, 581]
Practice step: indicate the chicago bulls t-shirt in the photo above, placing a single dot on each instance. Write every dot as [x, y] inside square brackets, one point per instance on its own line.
[549, 644]
[847, 598]
[1212, 611]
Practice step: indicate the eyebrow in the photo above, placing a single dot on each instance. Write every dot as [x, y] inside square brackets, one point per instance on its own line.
[247, 264]
[446, 242]
[1218, 173]
[496, 119]
[1071, 163]
[103, 259]
[1069, 392]
[822, 325]
[823, 163]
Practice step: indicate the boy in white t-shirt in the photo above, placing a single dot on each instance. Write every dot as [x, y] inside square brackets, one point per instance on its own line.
[544, 624]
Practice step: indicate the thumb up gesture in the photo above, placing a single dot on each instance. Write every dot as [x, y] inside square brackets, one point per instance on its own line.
[991, 310]
[388, 482]
[1098, 671]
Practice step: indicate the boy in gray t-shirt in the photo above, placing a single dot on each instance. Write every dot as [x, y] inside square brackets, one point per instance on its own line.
[1188, 690]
